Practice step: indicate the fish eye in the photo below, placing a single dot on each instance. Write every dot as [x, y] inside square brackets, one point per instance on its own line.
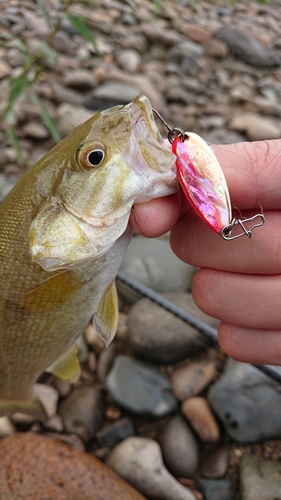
[91, 157]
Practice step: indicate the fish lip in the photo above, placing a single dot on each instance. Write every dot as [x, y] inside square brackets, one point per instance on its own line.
[141, 111]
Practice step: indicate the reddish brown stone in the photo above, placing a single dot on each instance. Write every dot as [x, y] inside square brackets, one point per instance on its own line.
[38, 467]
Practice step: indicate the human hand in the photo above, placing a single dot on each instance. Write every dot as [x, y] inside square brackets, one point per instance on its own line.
[239, 281]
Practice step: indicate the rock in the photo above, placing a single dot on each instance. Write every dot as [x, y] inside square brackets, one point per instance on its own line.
[111, 94]
[81, 79]
[139, 461]
[140, 387]
[256, 127]
[216, 48]
[49, 398]
[83, 350]
[242, 397]
[5, 69]
[247, 48]
[159, 335]
[64, 95]
[156, 34]
[198, 34]
[54, 424]
[110, 435]
[222, 136]
[93, 338]
[62, 42]
[106, 360]
[35, 466]
[70, 116]
[186, 47]
[63, 387]
[35, 130]
[5, 186]
[36, 24]
[82, 412]
[215, 463]
[259, 478]
[152, 262]
[6, 427]
[129, 60]
[216, 489]
[190, 380]
[179, 448]
[198, 412]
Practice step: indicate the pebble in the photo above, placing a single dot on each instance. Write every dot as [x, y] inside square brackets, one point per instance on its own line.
[152, 262]
[6, 427]
[48, 396]
[199, 414]
[5, 69]
[241, 398]
[106, 360]
[139, 461]
[111, 94]
[192, 379]
[81, 79]
[179, 448]
[256, 127]
[247, 48]
[129, 60]
[93, 338]
[35, 130]
[82, 412]
[70, 116]
[215, 463]
[35, 466]
[259, 479]
[112, 434]
[160, 336]
[140, 387]
[217, 489]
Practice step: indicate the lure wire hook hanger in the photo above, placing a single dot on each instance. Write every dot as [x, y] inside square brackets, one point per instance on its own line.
[225, 232]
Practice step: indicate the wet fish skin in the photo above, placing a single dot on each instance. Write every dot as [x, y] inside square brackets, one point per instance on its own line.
[64, 230]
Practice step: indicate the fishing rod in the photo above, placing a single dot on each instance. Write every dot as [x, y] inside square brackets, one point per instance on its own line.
[209, 331]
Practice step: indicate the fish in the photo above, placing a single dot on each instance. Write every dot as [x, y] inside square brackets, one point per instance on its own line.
[64, 230]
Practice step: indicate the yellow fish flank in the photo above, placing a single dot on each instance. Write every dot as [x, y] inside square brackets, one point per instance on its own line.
[64, 230]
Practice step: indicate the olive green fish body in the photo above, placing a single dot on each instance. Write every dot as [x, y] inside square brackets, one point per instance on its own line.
[64, 231]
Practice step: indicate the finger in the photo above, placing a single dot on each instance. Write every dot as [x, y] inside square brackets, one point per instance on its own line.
[249, 301]
[155, 217]
[250, 346]
[197, 244]
[252, 171]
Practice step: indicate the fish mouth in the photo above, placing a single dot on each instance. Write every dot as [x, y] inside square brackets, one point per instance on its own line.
[142, 113]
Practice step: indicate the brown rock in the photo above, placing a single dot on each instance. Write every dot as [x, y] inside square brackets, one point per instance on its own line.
[37, 467]
[190, 380]
[5, 69]
[198, 34]
[256, 127]
[198, 412]
[216, 48]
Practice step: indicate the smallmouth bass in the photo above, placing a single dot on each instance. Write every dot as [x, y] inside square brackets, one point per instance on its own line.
[64, 230]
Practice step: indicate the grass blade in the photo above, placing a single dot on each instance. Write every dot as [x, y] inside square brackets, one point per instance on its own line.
[47, 119]
[81, 28]
[44, 10]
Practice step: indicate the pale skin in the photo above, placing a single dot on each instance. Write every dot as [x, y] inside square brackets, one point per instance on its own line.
[239, 282]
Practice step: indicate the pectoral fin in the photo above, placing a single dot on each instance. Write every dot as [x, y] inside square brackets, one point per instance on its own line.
[106, 318]
[67, 367]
